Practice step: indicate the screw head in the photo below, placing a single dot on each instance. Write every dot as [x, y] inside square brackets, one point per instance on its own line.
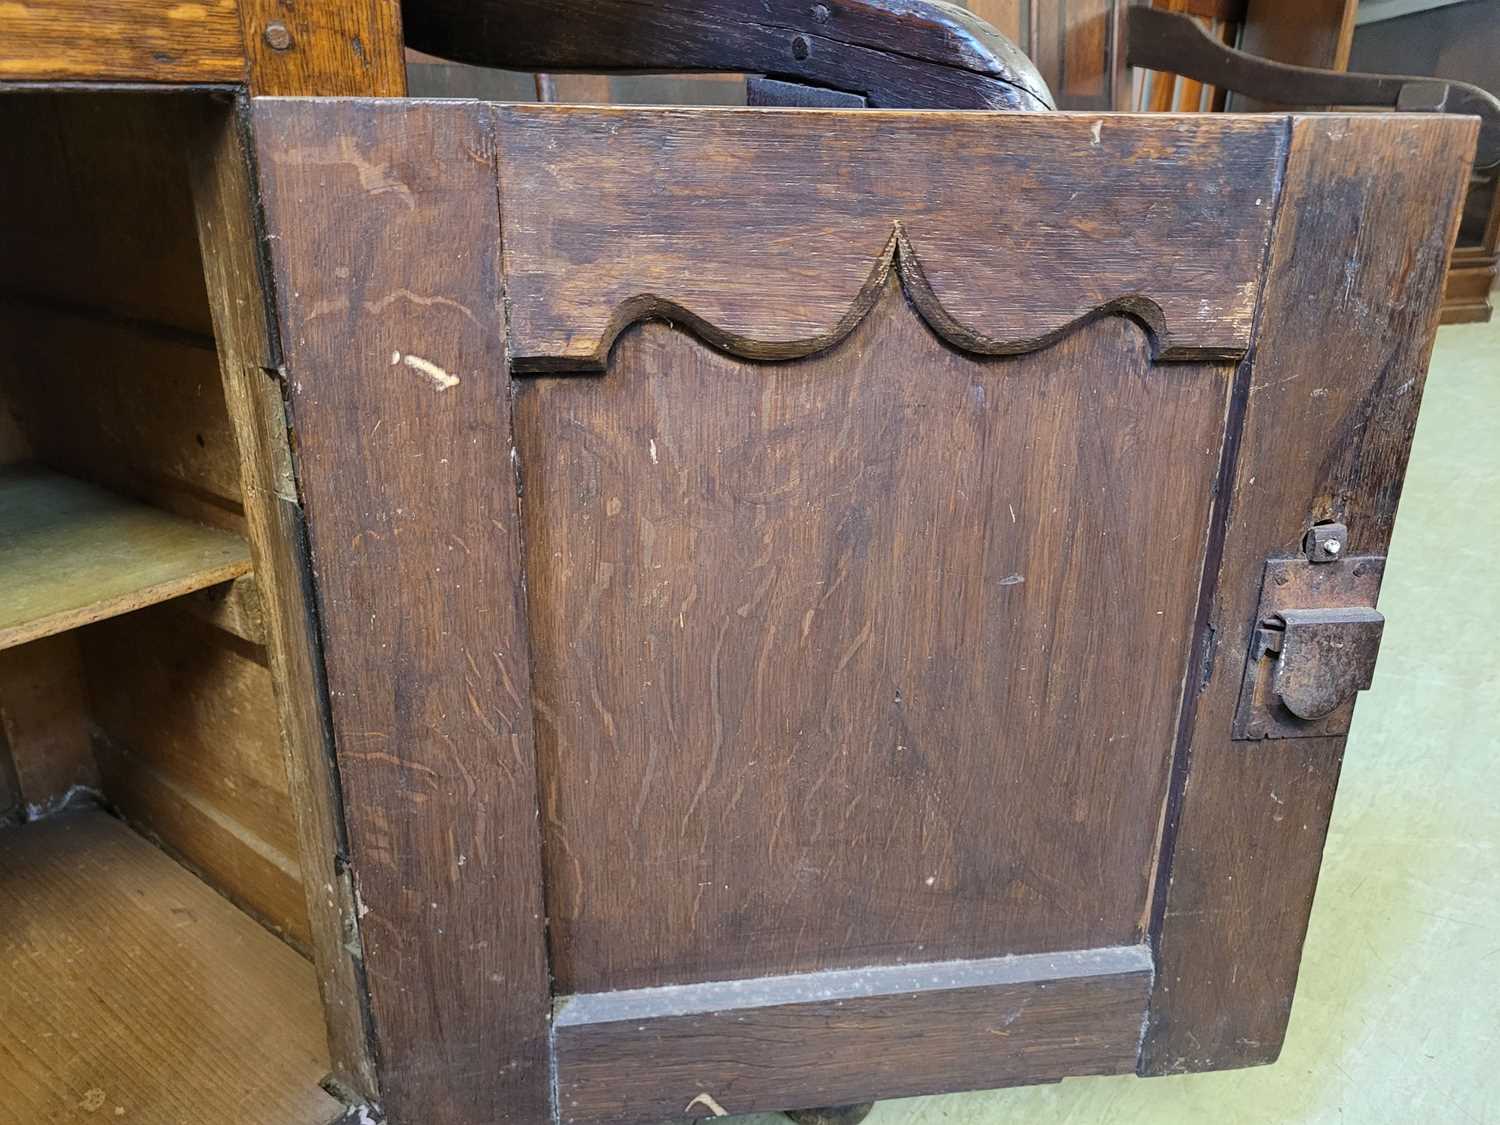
[278, 37]
[821, 13]
[801, 48]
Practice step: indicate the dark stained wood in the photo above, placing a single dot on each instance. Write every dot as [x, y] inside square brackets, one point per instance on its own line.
[1347, 320]
[121, 40]
[225, 209]
[835, 1038]
[103, 189]
[899, 53]
[384, 233]
[43, 723]
[324, 47]
[590, 245]
[827, 635]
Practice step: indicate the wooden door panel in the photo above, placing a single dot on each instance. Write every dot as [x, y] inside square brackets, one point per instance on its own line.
[861, 657]
[785, 577]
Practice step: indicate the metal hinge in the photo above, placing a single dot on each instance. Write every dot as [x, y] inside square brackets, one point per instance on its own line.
[1314, 643]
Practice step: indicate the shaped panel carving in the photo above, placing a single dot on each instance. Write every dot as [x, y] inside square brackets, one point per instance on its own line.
[760, 228]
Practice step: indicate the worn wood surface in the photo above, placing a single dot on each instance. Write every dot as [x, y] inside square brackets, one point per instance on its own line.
[324, 47]
[400, 403]
[43, 722]
[235, 607]
[835, 1038]
[225, 207]
[821, 640]
[191, 750]
[590, 246]
[72, 553]
[121, 40]
[132, 992]
[1353, 286]
[899, 54]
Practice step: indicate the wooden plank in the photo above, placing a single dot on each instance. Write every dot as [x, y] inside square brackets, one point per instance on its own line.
[95, 213]
[135, 993]
[191, 749]
[226, 205]
[44, 721]
[1313, 33]
[1347, 322]
[400, 402]
[126, 405]
[590, 246]
[326, 48]
[235, 607]
[839, 607]
[72, 554]
[122, 41]
[842, 1037]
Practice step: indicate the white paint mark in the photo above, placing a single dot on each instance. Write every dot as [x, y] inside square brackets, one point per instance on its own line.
[1097, 132]
[395, 358]
[440, 378]
[654, 461]
[931, 880]
[1012, 580]
[708, 1103]
[1012, 508]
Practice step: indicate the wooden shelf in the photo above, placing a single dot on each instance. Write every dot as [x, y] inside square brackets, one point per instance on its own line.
[72, 553]
[130, 992]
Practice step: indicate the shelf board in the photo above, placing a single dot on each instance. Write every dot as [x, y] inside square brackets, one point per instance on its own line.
[72, 553]
[130, 992]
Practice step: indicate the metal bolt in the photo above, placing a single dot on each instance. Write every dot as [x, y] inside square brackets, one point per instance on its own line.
[1332, 546]
[801, 48]
[821, 13]
[278, 37]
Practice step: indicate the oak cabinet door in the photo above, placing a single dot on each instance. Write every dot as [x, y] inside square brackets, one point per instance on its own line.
[791, 583]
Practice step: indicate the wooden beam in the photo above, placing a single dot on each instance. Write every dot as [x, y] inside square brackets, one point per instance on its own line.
[44, 721]
[1246, 820]
[121, 41]
[228, 231]
[837, 1037]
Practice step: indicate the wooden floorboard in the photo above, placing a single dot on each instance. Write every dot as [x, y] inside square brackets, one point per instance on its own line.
[132, 993]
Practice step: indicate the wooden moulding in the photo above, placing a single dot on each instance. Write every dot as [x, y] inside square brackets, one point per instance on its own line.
[589, 247]
[834, 1038]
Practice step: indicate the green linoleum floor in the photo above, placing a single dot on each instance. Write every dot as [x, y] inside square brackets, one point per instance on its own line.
[1397, 1016]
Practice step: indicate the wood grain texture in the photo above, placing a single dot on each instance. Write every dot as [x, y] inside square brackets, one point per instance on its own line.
[590, 245]
[72, 554]
[226, 203]
[898, 53]
[817, 656]
[44, 722]
[131, 406]
[400, 401]
[121, 40]
[1347, 322]
[1075, 49]
[836, 1038]
[191, 750]
[134, 993]
[332, 47]
[1315, 33]
[103, 193]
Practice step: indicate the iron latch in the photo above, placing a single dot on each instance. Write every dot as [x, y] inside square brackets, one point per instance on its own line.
[1313, 648]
